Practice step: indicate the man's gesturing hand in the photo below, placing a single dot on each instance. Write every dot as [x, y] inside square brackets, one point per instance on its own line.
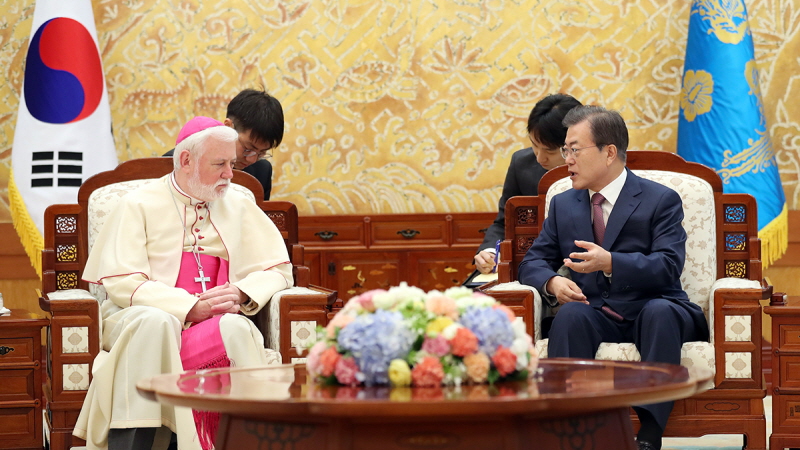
[594, 258]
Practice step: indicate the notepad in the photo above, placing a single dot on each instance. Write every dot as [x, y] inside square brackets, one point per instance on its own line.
[484, 278]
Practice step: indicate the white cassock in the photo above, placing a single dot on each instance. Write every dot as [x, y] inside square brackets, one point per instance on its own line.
[137, 258]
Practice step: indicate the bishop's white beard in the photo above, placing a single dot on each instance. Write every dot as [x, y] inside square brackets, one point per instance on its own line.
[206, 192]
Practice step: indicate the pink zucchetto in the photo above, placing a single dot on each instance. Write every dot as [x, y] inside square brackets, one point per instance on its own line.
[195, 125]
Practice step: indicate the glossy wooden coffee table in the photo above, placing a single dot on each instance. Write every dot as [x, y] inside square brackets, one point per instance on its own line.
[570, 404]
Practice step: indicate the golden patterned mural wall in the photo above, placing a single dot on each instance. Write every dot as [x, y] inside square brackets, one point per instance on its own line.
[402, 105]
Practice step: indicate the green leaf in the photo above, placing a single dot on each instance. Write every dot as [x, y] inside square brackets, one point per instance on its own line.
[493, 376]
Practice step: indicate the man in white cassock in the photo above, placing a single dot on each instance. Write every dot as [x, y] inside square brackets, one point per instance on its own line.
[178, 258]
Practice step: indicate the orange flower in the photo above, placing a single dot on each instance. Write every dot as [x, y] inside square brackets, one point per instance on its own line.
[533, 362]
[338, 321]
[464, 342]
[442, 306]
[504, 360]
[477, 367]
[477, 392]
[328, 360]
[427, 372]
[507, 310]
[428, 393]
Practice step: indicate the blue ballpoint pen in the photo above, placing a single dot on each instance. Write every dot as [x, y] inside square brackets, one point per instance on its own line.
[496, 254]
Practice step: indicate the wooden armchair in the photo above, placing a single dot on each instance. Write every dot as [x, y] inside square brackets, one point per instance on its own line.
[73, 340]
[722, 274]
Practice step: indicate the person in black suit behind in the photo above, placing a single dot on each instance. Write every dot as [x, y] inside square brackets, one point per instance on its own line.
[258, 118]
[621, 238]
[546, 133]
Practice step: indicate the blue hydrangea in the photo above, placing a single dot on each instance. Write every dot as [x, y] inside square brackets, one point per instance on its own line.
[374, 341]
[491, 326]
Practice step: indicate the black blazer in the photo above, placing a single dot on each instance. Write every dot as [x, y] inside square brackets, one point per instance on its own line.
[522, 178]
[261, 169]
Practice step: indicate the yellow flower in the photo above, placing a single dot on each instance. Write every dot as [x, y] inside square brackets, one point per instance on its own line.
[400, 394]
[399, 373]
[696, 94]
[438, 324]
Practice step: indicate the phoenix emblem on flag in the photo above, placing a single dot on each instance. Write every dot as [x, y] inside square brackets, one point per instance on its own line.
[756, 158]
[727, 18]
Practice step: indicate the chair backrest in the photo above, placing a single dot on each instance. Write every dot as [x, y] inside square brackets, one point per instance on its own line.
[104, 199]
[71, 229]
[722, 229]
[699, 221]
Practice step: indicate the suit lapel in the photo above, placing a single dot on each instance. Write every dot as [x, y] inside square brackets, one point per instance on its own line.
[581, 218]
[626, 204]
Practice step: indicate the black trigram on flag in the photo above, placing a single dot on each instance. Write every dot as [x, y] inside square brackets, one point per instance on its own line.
[64, 170]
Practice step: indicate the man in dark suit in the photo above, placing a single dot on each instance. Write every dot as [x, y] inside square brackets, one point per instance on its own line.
[546, 133]
[622, 239]
[258, 118]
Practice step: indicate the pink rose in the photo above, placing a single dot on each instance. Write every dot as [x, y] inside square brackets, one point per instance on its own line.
[367, 303]
[442, 306]
[428, 372]
[328, 360]
[437, 346]
[365, 299]
[312, 363]
[347, 393]
[504, 360]
[346, 371]
[464, 342]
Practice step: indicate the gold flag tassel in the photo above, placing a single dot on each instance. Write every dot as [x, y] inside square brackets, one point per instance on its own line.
[775, 238]
[31, 239]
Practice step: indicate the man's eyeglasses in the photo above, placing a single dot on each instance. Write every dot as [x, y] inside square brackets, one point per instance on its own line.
[566, 151]
[263, 154]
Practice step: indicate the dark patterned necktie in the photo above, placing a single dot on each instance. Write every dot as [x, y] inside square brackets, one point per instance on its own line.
[598, 226]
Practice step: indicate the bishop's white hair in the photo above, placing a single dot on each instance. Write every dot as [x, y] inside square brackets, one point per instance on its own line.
[195, 142]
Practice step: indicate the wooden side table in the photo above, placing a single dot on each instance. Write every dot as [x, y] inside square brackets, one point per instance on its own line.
[785, 312]
[21, 380]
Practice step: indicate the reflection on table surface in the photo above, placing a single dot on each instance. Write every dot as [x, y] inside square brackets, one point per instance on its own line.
[555, 378]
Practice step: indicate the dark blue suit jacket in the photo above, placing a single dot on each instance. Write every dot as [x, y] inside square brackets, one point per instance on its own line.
[646, 240]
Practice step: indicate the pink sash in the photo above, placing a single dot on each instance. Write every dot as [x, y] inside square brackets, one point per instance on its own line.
[201, 344]
[202, 348]
[216, 269]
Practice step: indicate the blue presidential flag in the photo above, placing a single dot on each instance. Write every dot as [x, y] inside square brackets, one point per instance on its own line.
[722, 123]
[63, 133]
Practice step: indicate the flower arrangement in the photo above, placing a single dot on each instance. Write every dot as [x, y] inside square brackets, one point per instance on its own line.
[406, 337]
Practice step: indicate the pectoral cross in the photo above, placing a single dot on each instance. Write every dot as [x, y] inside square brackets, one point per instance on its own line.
[202, 279]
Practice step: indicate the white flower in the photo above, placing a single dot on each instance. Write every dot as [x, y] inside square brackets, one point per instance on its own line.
[518, 325]
[520, 349]
[450, 331]
[479, 300]
[457, 292]
[384, 300]
[352, 308]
